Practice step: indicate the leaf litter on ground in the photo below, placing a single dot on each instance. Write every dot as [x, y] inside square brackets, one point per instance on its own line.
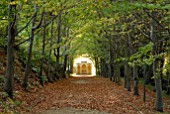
[89, 94]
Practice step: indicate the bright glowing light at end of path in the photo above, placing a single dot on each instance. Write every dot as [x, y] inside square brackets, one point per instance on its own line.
[83, 65]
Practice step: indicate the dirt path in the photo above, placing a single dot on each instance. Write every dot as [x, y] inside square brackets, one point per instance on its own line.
[87, 96]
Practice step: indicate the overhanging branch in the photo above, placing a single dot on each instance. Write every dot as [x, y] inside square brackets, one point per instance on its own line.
[157, 22]
[25, 25]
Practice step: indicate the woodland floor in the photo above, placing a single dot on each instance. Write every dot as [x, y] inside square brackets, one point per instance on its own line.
[93, 95]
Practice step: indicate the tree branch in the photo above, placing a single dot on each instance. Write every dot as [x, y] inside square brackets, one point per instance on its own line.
[147, 36]
[157, 22]
[163, 39]
[25, 25]
[55, 53]
[23, 42]
[38, 26]
[46, 24]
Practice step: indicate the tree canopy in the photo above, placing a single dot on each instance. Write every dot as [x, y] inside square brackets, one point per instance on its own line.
[117, 34]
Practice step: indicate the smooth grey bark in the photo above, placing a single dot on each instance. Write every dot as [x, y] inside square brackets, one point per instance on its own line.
[43, 54]
[109, 71]
[58, 35]
[149, 73]
[71, 64]
[157, 78]
[25, 81]
[127, 67]
[32, 34]
[126, 76]
[168, 85]
[68, 66]
[50, 51]
[117, 66]
[111, 60]
[136, 80]
[9, 76]
[56, 70]
[158, 87]
[117, 74]
[104, 68]
[65, 64]
[144, 78]
[57, 51]
[97, 66]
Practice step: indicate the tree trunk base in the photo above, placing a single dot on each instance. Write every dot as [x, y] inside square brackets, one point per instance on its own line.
[159, 110]
[168, 91]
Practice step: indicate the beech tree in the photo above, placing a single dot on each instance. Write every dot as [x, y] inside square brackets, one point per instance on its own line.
[34, 27]
[124, 38]
[9, 76]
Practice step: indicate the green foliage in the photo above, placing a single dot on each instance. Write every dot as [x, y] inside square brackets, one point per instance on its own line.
[3, 9]
[166, 67]
[142, 56]
[4, 95]
[159, 5]
[35, 69]
[1, 80]
[3, 33]
[43, 78]
[18, 103]
[8, 105]
[121, 59]
[157, 74]
[23, 55]
[95, 27]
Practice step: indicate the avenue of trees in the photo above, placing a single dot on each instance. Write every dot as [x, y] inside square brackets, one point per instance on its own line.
[125, 38]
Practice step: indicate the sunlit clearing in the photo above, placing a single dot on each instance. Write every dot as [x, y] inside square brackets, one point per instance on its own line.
[84, 65]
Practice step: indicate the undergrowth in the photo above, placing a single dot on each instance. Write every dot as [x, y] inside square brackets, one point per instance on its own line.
[8, 105]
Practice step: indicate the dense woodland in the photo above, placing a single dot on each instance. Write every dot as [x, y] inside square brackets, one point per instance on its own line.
[129, 40]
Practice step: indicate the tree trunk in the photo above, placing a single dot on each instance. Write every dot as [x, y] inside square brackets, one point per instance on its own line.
[117, 74]
[97, 66]
[42, 78]
[127, 67]
[66, 34]
[59, 35]
[158, 87]
[9, 76]
[57, 72]
[109, 71]
[101, 67]
[25, 81]
[49, 56]
[111, 60]
[157, 78]
[71, 65]
[144, 85]
[168, 85]
[104, 68]
[127, 73]
[135, 77]
[64, 65]
[149, 74]
[117, 66]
